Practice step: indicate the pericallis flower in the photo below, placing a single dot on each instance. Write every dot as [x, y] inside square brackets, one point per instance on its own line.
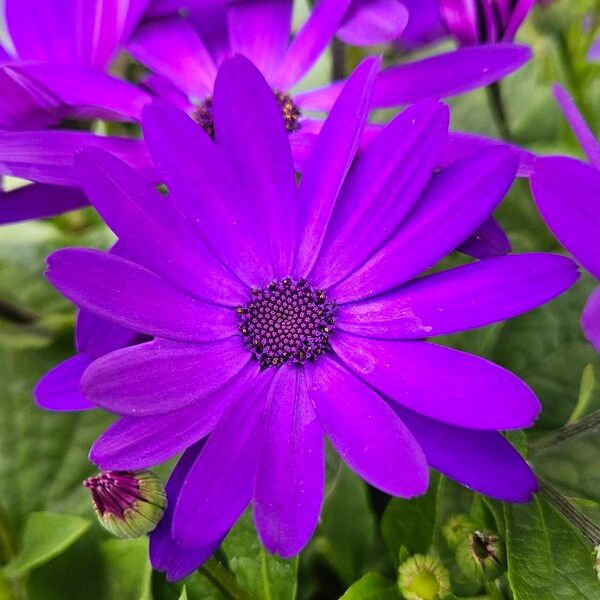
[284, 312]
[567, 194]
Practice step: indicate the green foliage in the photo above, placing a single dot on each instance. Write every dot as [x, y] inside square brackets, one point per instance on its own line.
[372, 587]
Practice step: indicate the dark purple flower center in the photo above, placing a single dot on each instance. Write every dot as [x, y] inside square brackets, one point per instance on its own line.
[287, 320]
[203, 115]
[114, 491]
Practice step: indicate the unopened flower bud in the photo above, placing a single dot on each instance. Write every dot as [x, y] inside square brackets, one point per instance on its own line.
[128, 504]
[457, 528]
[423, 577]
[481, 556]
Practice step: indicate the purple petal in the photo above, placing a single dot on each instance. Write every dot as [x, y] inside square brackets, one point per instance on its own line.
[464, 18]
[165, 553]
[424, 23]
[480, 460]
[310, 42]
[163, 88]
[585, 136]
[365, 431]
[96, 336]
[136, 443]
[329, 162]
[171, 48]
[518, 13]
[590, 319]
[39, 201]
[155, 232]
[47, 156]
[466, 297]
[219, 484]
[441, 383]
[454, 204]
[257, 143]
[567, 194]
[288, 490]
[369, 22]
[210, 22]
[121, 291]
[260, 30]
[594, 52]
[59, 388]
[489, 240]
[161, 376]
[369, 208]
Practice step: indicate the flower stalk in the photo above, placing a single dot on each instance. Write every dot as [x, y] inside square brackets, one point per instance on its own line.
[224, 580]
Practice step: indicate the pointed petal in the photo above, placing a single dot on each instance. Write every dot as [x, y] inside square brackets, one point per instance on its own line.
[441, 383]
[160, 376]
[466, 297]
[519, 12]
[365, 431]
[489, 240]
[590, 319]
[369, 22]
[288, 490]
[455, 203]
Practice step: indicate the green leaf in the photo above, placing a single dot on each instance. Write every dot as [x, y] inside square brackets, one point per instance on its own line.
[588, 382]
[372, 587]
[411, 523]
[183, 594]
[128, 569]
[45, 536]
[263, 575]
[547, 558]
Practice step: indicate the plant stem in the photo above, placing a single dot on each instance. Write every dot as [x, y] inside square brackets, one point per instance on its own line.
[224, 580]
[338, 60]
[499, 110]
[587, 527]
[589, 423]
[15, 314]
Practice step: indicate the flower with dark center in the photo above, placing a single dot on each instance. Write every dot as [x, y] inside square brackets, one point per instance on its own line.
[284, 311]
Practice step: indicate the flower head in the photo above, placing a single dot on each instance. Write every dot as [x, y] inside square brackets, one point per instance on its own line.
[283, 313]
[423, 577]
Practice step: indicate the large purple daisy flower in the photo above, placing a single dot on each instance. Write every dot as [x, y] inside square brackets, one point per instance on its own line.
[567, 194]
[284, 313]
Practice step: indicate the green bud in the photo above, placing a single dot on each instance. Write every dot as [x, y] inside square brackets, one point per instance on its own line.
[481, 556]
[423, 577]
[128, 504]
[456, 529]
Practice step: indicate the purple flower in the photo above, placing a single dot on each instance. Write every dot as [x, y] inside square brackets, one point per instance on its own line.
[284, 313]
[567, 194]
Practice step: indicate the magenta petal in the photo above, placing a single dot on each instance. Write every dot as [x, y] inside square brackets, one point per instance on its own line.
[219, 484]
[365, 431]
[454, 204]
[154, 231]
[590, 319]
[567, 194]
[441, 383]
[447, 74]
[489, 240]
[138, 442]
[310, 42]
[480, 460]
[288, 490]
[370, 22]
[121, 291]
[96, 336]
[594, 52]
[161, 376]
[369, 208]
[466, 297]
[330, 161]
[59, 388]
[518, 13]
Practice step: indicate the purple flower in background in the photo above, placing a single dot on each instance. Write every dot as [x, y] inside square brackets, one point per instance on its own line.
[284, 313]
[567, 194]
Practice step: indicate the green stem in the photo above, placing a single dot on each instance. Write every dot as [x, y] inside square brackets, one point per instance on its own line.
[338, 60]
[587, 527]
[589, 423]
[15, 314]
[499, 110]
[224, 580]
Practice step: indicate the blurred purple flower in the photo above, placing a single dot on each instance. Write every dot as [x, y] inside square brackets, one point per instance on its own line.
[567, 194]
[285, 312]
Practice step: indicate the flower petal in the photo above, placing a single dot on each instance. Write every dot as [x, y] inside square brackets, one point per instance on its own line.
[329, 162]
[369, 22]
[483, 461]
[154, 231]
[454, 204]
[365, 431]
[518, 13]
[139, 442]
[160, 376]
[465, 297]
[489, 240]
[567, 194]
[441, 383]
[288, 490]
[403, 157]
[257, 143]
[121, 291]
[590, 319]
[219, 484]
